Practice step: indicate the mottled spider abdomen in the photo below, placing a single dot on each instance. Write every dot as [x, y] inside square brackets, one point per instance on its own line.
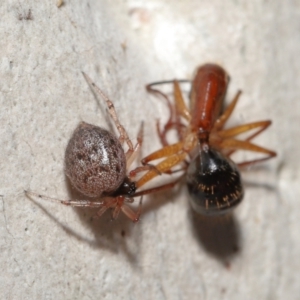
[214, 183]
[95, 161]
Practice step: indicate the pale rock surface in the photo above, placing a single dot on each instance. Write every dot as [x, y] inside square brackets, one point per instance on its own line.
[49, 251]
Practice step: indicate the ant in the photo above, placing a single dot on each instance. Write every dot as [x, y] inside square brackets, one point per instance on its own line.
[204, 146]
[97, 166]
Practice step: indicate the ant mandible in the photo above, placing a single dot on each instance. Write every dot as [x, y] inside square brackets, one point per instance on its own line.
[98, 167]
[213, 179]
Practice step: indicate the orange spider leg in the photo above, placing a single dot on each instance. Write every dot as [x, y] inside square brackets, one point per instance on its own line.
[180, 109]
[246, 145]
[163, 167]
[219, 124]
[163, 152]
[227, 133]
[180, 105]
[159, 188]
[267, 124]
[137, 170]
[135, 216]
[162, 133]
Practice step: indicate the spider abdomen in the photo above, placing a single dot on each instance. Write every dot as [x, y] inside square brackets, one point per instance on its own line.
[95, 161]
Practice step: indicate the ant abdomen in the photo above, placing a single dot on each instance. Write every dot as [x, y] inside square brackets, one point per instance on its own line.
[95, 161]
[214, 183]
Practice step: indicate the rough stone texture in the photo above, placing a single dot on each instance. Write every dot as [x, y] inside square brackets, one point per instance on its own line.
[50, 251]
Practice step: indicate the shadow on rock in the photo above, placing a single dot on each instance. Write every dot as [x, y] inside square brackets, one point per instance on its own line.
[219, 236]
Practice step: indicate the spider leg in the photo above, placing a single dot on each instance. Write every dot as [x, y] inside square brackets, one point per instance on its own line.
[223, 140]
[165, 166]
[74, 203]
[111, 108]
[147, 167]
[162, 133]
[132, 154]
[163, 152]
[181, 108]
[158, 188]
[228, 133]
[132, 215]
[176, 111]
[219, 124]
[246, 145]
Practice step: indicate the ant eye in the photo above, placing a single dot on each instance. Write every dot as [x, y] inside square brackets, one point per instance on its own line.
[214, 183]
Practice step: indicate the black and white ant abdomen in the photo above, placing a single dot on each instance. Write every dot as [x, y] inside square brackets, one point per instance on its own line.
[214, 183]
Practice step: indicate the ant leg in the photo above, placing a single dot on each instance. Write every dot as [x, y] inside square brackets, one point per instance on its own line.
[163, 167]
[227, 113]
[111, 109]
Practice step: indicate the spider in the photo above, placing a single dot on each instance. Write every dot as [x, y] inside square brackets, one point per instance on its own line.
[98, 167]
[204, 147]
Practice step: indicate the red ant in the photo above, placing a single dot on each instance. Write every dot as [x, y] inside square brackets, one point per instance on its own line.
[212, 178]
[97, 167]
